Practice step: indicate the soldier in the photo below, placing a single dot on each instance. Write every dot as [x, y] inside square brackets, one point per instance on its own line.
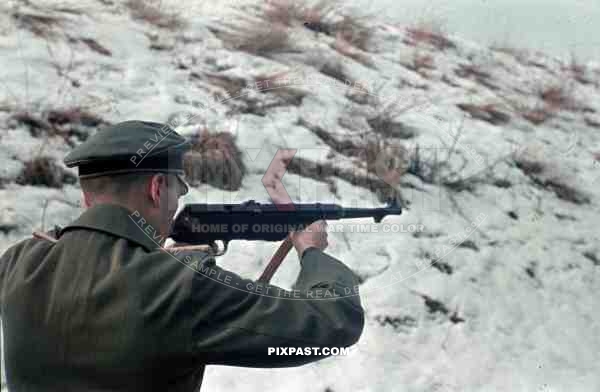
[103, 306]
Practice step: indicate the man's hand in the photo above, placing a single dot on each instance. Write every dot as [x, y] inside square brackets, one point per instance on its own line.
[314, 235]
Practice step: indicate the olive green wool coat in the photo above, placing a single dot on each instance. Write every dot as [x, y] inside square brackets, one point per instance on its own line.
[104, 309]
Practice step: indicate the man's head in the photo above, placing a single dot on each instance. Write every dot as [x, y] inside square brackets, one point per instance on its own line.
[135, 164]
[154, 195]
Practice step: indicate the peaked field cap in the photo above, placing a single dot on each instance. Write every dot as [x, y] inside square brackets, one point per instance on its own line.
[130, 146]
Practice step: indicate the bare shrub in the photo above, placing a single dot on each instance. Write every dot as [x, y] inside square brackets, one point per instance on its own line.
[151, 11]
[215, 160]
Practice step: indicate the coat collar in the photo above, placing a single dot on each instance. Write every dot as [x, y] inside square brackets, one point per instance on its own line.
[118, 221]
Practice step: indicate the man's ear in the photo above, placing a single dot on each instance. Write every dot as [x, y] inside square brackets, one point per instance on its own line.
[154, 188]
[87, 199]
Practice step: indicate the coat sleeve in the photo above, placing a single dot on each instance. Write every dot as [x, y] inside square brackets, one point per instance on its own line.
[4, 261]
[233, 321]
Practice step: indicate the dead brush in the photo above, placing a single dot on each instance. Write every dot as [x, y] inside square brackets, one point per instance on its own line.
[43, 26]
[344, 48]
[546, 176]
[490, 113]
[66, 123]
[284, 12]
[550, 99]
[334, 69]
[232, 86]
[353, 30]
[476, 73]
[322, 17]
[430, 34]
[557, 96]
[151, 11]
[590, 122]
[95, 46]
[214, 159]
[520, 55]
[258, 38]
[577, 70]
[326, 172]
[44, 171]
[371, 151]
[537, 116]
[420, 63]
[383, 119]
[274, 85]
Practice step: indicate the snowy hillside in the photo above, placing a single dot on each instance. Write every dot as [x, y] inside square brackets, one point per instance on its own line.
[495, 152]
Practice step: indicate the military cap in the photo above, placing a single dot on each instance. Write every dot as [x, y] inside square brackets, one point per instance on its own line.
[130, 146]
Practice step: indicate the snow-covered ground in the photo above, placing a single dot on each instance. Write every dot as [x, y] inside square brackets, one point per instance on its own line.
[512, 304]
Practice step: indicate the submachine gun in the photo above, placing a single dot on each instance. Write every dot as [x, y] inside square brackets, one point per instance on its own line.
[205, 224]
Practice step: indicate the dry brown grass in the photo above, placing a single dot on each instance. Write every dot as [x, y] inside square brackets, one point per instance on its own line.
[95, 46]
[153, 12]
[335, 69]
[259, 38]
[214, 159]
